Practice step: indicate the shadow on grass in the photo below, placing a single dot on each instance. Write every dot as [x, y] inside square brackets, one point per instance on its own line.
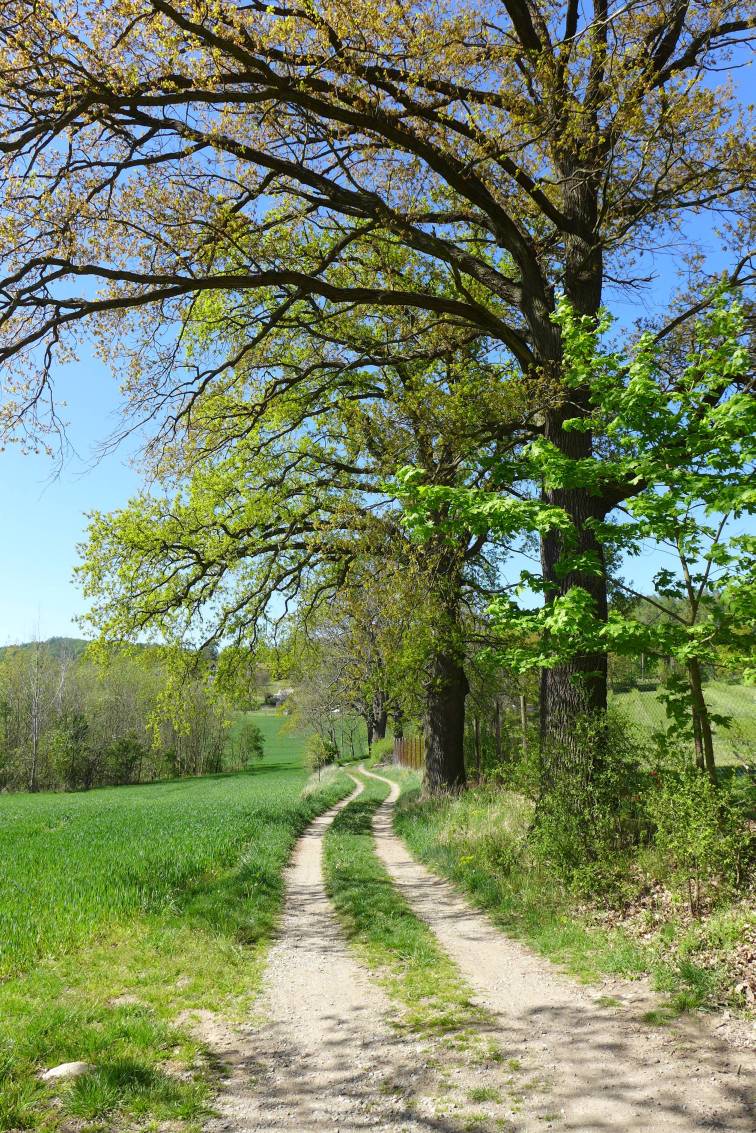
[114, 1002]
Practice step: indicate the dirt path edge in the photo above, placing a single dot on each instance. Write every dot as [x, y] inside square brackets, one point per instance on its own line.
[607, 1069]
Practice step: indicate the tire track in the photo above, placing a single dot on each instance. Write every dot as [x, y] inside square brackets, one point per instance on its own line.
[607, 1071]
[325, 1056]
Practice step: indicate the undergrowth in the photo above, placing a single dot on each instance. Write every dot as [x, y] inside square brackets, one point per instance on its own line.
[482, 840]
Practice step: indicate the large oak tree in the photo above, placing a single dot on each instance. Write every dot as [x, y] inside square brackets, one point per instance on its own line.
[271, 492]
[155, 152]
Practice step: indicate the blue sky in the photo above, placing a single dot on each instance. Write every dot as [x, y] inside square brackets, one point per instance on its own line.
[42, 511]
[42, 514]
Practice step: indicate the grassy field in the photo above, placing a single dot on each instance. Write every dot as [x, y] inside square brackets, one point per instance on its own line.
[122, 908]
[733, 745]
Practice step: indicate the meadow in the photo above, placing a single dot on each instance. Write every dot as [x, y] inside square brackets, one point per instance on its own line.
[120, 909]
[734, 745]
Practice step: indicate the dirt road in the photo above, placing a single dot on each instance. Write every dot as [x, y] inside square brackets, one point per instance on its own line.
[323, 1055]
[607, 1071]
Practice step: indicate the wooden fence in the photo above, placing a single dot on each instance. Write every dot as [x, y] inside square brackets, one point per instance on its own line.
[410, 752]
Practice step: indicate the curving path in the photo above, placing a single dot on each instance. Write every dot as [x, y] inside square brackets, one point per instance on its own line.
[606, 1071]
[324, 1056]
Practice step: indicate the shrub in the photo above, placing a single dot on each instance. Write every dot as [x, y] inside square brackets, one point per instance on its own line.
[249, 743]
[520, 773]
[586, 832]
[383, 749]
[320, 752]
[701, 835]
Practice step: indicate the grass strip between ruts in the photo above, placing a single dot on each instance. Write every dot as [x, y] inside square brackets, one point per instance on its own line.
[395, 944]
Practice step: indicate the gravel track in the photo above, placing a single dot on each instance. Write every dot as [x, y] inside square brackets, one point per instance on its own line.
[323, 1056]
[605, 1068]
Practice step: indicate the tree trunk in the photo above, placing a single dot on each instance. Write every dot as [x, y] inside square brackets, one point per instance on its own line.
[380, 716]
[445, 723]
[370, 725]
[702, 735]
[33, 768]
[497, 730]
[524, 723]
[577, 687]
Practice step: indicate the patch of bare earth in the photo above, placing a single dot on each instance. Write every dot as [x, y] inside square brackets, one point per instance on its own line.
[606, 1069]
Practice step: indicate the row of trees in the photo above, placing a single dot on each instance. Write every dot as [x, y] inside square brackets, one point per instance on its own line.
[73, 723]
[400, 599]
[337, 241]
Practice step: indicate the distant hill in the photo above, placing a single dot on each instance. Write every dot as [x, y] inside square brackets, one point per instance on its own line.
[54, 646]
[73, 647]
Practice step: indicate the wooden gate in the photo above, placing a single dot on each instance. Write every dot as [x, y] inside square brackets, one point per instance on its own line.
[410, 752]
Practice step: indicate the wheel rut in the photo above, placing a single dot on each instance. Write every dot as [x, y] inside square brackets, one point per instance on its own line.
[323, 1055]
[606, 1070]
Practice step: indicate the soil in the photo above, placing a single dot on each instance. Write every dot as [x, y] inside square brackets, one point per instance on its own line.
[605, 1067]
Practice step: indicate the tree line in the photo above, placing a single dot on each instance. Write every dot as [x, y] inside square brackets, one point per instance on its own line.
[71, 722]
[356, 263]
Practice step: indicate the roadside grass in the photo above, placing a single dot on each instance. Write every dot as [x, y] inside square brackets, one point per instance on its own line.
[395, 944]
[122, 911]
[478, 840]
[733, 746]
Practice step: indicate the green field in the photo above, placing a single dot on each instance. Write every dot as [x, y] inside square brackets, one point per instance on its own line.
[121, 908]
[733, 745]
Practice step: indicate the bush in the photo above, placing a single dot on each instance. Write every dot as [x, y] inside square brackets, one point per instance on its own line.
[521, 772]
[248, 743]
[382, 749]
[585, 826]
[701, 835]
[320, 752]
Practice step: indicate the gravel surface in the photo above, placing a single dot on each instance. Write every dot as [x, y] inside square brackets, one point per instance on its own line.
[606, 1069]
[324, 1056]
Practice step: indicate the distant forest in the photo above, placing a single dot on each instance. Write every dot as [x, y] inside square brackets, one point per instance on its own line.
[68, 721]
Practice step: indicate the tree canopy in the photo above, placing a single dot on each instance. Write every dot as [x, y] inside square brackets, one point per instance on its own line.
[264, 170]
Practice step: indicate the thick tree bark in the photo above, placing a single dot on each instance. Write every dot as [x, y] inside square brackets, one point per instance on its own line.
[445, 723]
[380, 716]
[577, 687]
[446, 686]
